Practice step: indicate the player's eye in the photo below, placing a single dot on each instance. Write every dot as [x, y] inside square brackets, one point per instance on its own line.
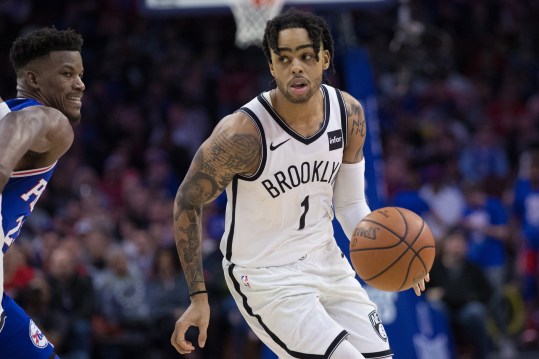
[308, 56]
[283, 59]
[68, 74]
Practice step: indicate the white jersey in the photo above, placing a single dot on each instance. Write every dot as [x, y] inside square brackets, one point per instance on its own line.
[285, 210]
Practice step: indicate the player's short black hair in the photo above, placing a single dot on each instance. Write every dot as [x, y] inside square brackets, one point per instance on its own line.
[317, 28]
[40, 42]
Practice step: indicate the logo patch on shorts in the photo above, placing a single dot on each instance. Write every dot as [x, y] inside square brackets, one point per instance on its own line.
[245, 281]
[377, 325]
[36, 336]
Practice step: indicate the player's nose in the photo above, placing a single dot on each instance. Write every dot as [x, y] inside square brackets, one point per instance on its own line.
[79, 84]
[296, 67]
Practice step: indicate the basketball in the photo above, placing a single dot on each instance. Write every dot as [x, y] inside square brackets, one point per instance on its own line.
[391, 248]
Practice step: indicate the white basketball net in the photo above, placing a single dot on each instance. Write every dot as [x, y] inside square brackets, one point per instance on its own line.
[251, 17]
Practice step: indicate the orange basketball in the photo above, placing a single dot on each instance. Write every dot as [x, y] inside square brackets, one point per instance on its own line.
[391, 248]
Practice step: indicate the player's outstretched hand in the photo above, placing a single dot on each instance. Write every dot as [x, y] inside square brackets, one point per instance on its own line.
[419, 286]
[197, 315]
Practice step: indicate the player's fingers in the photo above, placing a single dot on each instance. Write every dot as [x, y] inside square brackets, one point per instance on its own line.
[174, 343]
[182, 348]
[202, 335]
[419, 286]
[417, 290]
[427, 278]
[178, 339]
[422, 284]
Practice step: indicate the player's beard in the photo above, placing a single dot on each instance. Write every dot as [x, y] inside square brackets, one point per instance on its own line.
[314, 86]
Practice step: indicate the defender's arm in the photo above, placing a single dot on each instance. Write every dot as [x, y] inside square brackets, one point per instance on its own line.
[37, 128]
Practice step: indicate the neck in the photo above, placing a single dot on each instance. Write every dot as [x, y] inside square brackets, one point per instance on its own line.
[295, 113]
[22, 93]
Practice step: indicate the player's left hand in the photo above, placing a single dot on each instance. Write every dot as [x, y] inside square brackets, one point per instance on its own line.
[419, 286]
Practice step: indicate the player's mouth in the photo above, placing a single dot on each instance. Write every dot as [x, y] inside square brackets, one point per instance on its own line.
[76, 100]
[298, 86]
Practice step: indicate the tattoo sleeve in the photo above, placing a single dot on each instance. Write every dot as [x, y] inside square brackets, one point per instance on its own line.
[217, 161]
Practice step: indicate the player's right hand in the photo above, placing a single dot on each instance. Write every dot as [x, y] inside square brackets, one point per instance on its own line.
[420, 285]
[197, 315]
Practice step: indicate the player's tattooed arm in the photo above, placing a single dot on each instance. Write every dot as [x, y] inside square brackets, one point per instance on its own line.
[233, 148]
[357, 130]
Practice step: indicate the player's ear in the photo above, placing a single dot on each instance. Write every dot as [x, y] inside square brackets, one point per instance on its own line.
[271, 69]
[326, 59]
[30, 78]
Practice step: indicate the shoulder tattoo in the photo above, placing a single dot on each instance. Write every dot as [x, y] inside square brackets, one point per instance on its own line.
[355, 113]
[228, 156]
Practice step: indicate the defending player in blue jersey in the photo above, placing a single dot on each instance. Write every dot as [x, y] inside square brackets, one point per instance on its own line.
[35, 131]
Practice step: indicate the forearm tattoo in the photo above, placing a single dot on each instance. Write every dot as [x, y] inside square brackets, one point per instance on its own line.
[187, 219]
[212, 169]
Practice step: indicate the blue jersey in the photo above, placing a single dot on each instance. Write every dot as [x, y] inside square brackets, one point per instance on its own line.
[526, 208]
[485, 250]
[18, 199]
[21, 192]
[19, 336]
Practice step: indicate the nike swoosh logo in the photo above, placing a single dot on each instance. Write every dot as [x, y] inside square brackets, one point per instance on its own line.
[273, 148]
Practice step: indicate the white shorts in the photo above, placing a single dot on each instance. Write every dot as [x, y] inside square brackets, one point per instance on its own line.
[305, 309]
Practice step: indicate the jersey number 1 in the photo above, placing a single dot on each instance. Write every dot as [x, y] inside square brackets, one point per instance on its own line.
[305, 205]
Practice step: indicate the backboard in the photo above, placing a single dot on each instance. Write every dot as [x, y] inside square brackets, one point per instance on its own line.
[250, 15]
[207, 6]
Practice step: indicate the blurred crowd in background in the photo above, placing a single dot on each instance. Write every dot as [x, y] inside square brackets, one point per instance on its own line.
[458, 98]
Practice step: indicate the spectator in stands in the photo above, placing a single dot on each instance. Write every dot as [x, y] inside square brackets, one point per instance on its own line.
[444, 198]
[18, 274]
[526, 214]
[407, 196]
[168, 297]
[486, 220]
[72, 300]
[463, 291]
[484, 158]
[121, 324]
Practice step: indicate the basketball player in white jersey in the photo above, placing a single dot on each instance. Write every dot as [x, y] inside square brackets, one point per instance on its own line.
[288, 159]
[35, 131]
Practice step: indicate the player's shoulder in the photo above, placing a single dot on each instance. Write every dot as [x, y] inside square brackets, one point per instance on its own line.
[238, 123]
[46, 114]
[354, 112]
[53, 124]
[52, 113]
[351, 101]
[237, 141]
[237, 131]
